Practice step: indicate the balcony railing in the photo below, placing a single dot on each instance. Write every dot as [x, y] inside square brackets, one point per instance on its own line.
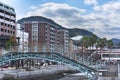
[7, 22]
[7, 10]
[1, 14]
[7, 16]
[13, 18]
[1, 20]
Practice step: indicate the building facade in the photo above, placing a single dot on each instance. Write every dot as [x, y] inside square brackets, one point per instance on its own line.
[63, 36]
[45, 37]
[7, 20]
[23, 39]
[7, 23]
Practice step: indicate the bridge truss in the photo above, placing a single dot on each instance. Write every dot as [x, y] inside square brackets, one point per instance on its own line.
[50, 56]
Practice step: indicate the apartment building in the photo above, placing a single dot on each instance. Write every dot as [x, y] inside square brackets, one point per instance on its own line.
[46, 37]
[63, 36]
[7, 22]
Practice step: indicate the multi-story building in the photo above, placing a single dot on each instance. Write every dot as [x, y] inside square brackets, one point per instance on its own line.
[7, 20]
[63, 36]
[23, 38]
[46, 37]
[7, 23]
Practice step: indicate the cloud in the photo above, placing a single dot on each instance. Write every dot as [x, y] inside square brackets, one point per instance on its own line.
[103, 21]
[8, 2]
[33, 7]
[91, 2]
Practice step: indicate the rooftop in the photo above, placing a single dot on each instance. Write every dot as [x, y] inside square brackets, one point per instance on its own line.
[7, 8]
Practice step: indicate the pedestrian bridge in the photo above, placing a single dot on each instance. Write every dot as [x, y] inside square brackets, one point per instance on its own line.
[50, 56]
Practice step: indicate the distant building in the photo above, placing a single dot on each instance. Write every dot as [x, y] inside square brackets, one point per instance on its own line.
[46, 37]
[109, 55]
[24, 36]
[7, 23]
[72, 48]
[63, 41]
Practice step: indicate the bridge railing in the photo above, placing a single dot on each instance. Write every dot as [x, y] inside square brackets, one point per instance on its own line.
[88, 62]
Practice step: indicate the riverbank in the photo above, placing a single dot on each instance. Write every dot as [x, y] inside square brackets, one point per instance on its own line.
[44, 73]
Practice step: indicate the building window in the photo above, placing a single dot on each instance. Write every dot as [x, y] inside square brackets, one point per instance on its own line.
[1, 4]
[14, 32]
[34, 36]
[5, 24]
[2, 23]
[13, 27]
[8, 25]
[8, 31]
[5, 30]
[34, 32]
[34, 24]
[34, 28]
[1, 29]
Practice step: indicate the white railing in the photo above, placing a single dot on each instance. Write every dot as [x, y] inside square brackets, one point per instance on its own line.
[7, 16]
[1, 14]
[13, 18]
[8, 22]
[1, 20]
[12, 23]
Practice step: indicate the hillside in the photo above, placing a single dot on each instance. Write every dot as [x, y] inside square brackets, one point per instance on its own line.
[72, 32]
[116, 42]
[75, 32]
[40, 19]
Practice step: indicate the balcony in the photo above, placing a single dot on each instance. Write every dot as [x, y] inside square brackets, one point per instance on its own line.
[1, 14]
[7, 16]
[13, 18]
[12, 23]
[7, 22]
[1, 20]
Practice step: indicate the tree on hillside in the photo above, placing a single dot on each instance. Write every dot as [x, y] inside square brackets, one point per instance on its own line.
[92, 40]
[85, 42]
[109, 43]
[101, 43]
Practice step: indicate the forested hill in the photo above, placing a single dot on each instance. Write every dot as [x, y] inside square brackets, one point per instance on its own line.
[75, 32]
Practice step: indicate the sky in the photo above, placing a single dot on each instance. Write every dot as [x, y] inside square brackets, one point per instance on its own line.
[98, 16]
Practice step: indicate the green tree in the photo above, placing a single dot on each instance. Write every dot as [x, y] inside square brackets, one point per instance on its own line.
[12, 42]
[109, 43]
[85, 42]
[101, 43]
[92, 40]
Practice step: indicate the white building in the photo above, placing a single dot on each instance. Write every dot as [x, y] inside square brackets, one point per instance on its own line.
[23, 39]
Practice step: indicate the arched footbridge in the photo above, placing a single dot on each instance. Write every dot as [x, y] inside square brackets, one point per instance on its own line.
[50, 56]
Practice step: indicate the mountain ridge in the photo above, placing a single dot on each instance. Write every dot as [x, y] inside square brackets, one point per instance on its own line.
[72, 32]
